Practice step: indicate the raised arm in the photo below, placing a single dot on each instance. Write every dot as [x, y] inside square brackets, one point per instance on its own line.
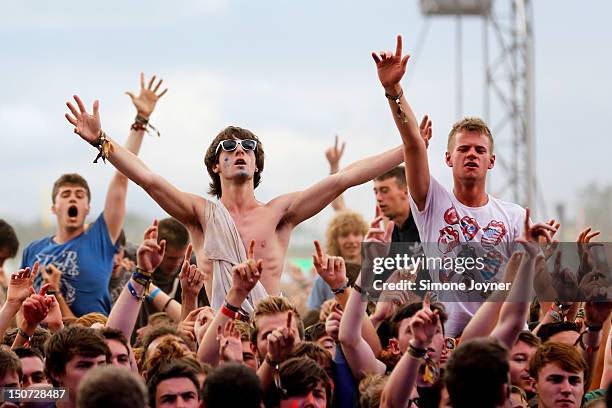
[333, 156]
[114, 207]
[391, 68]
[403, 378]
[359, 355]
[19, 289]
[180, 205]
[244, 278]
[307, 203]
[124, 314]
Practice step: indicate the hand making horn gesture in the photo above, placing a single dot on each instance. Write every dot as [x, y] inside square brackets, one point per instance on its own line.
[191, 277]
[331, 269]
[281, 342]
[424, 324]
[246, 275]
[391, 67]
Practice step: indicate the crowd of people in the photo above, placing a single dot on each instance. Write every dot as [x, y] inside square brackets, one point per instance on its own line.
[195, 315]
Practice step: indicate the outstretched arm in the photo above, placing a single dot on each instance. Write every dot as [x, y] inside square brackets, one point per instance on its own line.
[178, 204]
[391, 68]
[307, 203]
[114, 207]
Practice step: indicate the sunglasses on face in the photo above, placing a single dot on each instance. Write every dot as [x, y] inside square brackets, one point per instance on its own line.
[230, 145]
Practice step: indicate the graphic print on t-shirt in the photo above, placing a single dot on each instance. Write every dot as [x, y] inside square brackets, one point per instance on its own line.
[450, 216]
[67, 262]
[469, 227]
[492, 234]
[448, 240]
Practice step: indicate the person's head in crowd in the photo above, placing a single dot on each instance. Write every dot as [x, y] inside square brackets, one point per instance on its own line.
[240, 164]
[70, 197]
[157, 335]
[316, 333]
[402, 334]
[174, 384]
[9, 244]
[370, 390]
[154, 320]
[10, 370]
[559, 371]
[111, 386]
[39, 338]
[249, 351]
[119, 347]
[32, 366]
[202, 370]
[305, 384]
[559, 332]
[470, 150]
[168, 350]
[92, 318]
[317, 353]
[177, 238]
[119, 255]
[478, 370]
[524, 347]
[391, 192]
[72, 352]
[518, 398]
[232, 385]
[271, 313]
[344, 235]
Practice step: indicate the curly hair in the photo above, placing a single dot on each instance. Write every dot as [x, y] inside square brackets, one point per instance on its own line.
[342, 224]
[167, 351]
[212, 156]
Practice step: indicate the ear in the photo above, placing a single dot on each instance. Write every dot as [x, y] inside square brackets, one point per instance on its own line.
[215, 168]
[491, 161]
[53, 209]
[394, 345]
[447, 159]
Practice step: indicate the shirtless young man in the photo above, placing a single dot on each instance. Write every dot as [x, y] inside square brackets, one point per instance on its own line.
[448, 219]
[235, 161]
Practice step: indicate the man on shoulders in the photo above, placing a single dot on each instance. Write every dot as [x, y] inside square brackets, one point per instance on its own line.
[235, 161]
[464, 219]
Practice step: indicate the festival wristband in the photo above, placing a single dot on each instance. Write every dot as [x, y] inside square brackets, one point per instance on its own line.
[153, 294]
[233, 315]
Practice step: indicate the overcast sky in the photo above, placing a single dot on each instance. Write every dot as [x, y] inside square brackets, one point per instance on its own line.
[294, 72]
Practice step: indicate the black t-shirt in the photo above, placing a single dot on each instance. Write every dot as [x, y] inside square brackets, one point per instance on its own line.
[408, 232]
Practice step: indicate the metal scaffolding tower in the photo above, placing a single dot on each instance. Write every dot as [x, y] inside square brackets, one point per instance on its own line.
[509, 87]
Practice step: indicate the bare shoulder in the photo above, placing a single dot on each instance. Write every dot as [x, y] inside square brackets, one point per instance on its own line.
[282, 202]
[201, 209]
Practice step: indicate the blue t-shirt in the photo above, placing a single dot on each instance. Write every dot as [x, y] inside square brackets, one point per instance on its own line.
[86, 262]
[319, 294]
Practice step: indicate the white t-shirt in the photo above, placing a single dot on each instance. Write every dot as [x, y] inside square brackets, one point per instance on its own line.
[490, 230]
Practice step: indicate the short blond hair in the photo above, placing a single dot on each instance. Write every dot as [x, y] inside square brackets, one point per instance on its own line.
[272, 305]
[343, 223]
[471, 124]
